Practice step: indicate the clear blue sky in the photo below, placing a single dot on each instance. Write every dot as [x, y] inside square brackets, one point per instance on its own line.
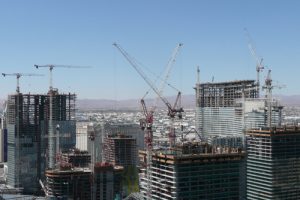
[77, 32]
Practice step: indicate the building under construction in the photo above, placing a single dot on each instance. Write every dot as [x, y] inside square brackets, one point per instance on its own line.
[193, 171]
[227, 109]
[68, 182]
[76, 158]
[108, 181]
[273, 163]
[216, 107]
[120, 150]
[128, 129]
[27, 126]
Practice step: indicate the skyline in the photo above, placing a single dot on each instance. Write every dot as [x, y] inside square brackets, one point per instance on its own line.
[82, 34]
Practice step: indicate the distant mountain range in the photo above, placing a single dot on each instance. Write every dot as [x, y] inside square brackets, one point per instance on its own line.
[188, 101]
[291, 100]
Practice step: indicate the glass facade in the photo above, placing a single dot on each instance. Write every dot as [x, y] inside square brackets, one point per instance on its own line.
[273, 164]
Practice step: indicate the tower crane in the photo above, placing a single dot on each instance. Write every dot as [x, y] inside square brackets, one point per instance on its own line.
[269, 87]
[51, 92]
[259, 61]
[18, 76]
[146, 124]
[172, 110]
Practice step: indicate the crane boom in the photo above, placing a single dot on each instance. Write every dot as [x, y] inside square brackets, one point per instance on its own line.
[18, 76]
[142, 74]
[52, 66]
[146, 124]
[259, 61]
[169, 66]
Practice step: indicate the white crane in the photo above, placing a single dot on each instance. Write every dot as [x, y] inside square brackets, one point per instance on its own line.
[258, 60]
[18, 76]
[269, 87]
[51, 128]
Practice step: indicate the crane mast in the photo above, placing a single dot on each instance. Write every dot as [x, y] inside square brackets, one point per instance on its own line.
[269, 87]
[146, 124]
[259, 61]
[51, 142]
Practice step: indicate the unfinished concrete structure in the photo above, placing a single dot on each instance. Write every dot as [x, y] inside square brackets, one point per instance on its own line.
[25, 142]
[128, 129]
[27, 126]
[227, 109]
[216, 107]
[69, 183]
[273, 163]
[76, 158]
[108, 181]
[194, 171]
[61, 121]
[120, 150]
[104, 182]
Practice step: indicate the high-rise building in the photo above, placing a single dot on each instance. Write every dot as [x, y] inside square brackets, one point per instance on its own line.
[3, 139]
[193, 171]
[120, 150]
[82, 135]
[217, 112]
[108, 181]
[273, 163]
[89, 137]
[86, 130]
[128, 129]
[76, 158]
[121, 144]
[68, 183]
[27, 129]
[227, 109]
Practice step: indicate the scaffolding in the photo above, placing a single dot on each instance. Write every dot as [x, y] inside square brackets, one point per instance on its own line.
[194, 171]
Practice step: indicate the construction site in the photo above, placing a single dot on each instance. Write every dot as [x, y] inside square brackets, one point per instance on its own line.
[273, 163]
[28, 136]
[42, 140]
[68, 182]
[193, 171]
[120, 150]
[227, 109]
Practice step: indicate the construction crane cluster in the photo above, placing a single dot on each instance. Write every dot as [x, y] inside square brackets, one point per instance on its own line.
[52, 137]
[259, 61]
[268, 85]
[147, 122]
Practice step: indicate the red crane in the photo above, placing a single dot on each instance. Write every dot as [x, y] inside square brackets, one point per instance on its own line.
[146, 123]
